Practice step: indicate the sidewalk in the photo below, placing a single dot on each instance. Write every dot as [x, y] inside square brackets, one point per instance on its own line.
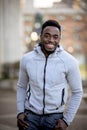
[3, 127]
[8, 109]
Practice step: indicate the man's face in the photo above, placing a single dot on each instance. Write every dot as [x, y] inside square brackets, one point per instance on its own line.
[50, 38]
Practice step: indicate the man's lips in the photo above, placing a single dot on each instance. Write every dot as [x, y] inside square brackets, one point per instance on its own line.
[50, 45]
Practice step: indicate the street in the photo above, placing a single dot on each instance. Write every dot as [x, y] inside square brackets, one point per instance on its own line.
[8, 113]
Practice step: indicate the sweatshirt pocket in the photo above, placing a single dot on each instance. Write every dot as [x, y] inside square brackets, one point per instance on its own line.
[55, 98]
[62, 98]
[28, 93]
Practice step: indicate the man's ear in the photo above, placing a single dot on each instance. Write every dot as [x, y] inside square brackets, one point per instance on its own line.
[60, 36]
[40, 36]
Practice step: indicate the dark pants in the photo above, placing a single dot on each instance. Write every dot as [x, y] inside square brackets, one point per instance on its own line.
[41, 122]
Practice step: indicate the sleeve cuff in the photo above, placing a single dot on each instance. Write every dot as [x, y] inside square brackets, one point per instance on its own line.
[65, 122]
[19, 114]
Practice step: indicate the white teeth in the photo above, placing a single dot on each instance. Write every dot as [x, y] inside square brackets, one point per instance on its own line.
[50, 45]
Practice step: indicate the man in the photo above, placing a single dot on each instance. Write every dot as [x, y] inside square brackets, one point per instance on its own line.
[42, 88]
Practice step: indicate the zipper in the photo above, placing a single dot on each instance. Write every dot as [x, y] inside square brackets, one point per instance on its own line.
[44, 81]
[63, 92]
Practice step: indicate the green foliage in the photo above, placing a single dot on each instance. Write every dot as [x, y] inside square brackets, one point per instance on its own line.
[10, 70]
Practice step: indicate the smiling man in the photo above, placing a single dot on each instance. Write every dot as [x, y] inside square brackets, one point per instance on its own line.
[42, 88]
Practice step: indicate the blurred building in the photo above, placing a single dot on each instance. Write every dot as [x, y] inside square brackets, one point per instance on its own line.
[70, 15]
[10, 32]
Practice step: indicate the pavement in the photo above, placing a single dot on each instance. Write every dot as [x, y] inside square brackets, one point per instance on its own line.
[8, 112]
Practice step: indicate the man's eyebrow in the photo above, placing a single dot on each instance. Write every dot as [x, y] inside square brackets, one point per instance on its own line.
[47, 33]
[50, 34]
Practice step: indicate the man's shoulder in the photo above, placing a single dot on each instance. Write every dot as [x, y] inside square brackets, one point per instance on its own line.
[28, 55]
[69, 60]
[67, 57]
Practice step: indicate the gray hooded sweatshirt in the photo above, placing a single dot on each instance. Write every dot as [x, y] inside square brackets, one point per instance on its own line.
[43, 83]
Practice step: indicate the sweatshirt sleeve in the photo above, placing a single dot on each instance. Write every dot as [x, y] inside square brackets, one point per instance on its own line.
[75, 84]
[22, 86]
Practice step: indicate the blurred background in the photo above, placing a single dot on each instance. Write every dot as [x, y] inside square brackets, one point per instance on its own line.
[20, 25]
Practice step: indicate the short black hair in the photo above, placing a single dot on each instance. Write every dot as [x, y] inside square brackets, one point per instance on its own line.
[51, 23]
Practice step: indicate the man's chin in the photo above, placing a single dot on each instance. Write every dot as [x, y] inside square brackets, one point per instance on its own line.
[50, 50]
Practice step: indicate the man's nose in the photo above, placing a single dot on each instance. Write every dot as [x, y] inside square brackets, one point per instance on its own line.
[51, 39]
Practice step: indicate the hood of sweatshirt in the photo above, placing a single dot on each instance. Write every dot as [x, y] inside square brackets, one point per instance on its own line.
[38, 50]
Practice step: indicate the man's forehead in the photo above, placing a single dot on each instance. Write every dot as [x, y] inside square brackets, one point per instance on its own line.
[51, 29]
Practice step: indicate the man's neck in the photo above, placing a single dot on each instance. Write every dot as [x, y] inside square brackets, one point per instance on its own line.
[46, 53]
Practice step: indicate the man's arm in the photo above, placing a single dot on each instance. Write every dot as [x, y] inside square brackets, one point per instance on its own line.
[22, 86]
[21, 94]
[75, 83]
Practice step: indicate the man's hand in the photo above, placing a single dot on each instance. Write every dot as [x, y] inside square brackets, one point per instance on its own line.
[21, 122]
[61, 125]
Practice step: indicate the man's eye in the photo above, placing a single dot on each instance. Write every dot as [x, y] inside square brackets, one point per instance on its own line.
[55, 37]
[47, 36]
